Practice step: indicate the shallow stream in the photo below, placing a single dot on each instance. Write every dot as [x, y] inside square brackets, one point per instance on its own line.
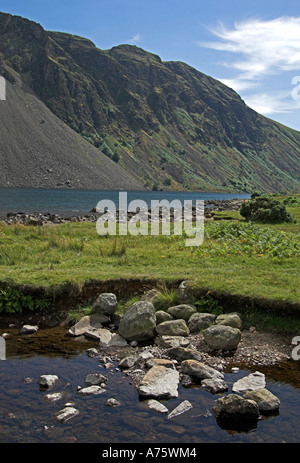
[26, 416]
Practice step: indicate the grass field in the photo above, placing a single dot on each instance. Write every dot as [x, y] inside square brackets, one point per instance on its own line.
[240, 258]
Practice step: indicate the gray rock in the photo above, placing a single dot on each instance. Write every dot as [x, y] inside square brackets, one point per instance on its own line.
[230, 319]
[127, 362]
[164, 362]
[171, 341]
[184, 293]
[88, 322]
[156, 406]
[251, 382]
[183, 353]
[200, 321]
[95, 379]
[236, 408]
[54, 396]
[139, 322]
[160, 382]
[181, 408]
[29, 329]
[48, 381]
[173, 328]
[199, 370]
[91, 390]
[222, 337]
[214, 385]
[266, 401]
[2, 348]
[99, 334]
[66, 414]
[106, 303]
[112, 403]
[162, 316]
[182, 311]
[117, 341]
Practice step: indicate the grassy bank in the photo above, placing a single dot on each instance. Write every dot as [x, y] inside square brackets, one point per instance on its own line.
[259, 261]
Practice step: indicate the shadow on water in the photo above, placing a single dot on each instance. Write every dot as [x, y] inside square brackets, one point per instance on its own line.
[27, 416]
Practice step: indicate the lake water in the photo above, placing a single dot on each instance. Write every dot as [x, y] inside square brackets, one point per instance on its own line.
[67, 202]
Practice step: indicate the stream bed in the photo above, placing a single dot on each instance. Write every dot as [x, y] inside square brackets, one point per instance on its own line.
[26, 416]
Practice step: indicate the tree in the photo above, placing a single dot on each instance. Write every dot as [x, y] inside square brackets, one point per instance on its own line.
[265, 209]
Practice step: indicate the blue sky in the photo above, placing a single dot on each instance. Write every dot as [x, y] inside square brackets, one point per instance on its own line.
[254, 47]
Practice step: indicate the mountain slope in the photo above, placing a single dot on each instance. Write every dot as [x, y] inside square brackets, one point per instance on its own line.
[169, 125]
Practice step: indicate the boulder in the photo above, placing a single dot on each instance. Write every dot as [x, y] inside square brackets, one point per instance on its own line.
[111, 402]
[47, 381]
[251, 382]
[99, 334]
[214, 385]
[160, 382]
[234, 408]
[183, 353]
[139, 322]
[266, 401]
[162, 316]
[28, 329]
[106, 303]
[88, 322]
[230, 319]
[95, 379]
[200, 321]
[173, 328]
[182, 311]
[127, 362]
[222, 337]
[117, 341]
[199, 370]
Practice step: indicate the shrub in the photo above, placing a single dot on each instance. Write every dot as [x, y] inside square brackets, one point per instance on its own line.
[265, 209]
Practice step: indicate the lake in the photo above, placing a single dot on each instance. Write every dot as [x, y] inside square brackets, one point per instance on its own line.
[65, 202]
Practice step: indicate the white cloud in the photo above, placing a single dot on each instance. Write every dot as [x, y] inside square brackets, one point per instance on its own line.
[264, 48]
[272, 103]
[137, 38]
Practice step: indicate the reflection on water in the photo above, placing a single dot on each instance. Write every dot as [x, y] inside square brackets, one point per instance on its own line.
[26, 416]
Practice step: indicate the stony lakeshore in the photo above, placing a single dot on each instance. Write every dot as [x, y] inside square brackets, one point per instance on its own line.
[162, 349]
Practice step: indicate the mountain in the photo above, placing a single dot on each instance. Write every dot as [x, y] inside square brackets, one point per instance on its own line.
[164, 123]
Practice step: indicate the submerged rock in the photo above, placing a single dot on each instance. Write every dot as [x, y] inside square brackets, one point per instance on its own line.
[66, 414]
[91, 390]
[156, 406]
[181, 408]
[95, 379]
[112, 403]
[214, 385]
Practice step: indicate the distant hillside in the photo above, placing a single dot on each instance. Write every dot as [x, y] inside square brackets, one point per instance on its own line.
[168, 125]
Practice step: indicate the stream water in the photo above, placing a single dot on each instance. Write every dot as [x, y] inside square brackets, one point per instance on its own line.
[26, 416]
